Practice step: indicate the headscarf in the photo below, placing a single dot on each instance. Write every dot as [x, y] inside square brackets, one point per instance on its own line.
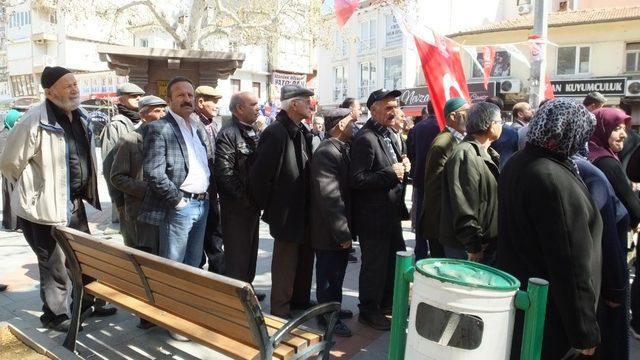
[607, 120]
[561, 126]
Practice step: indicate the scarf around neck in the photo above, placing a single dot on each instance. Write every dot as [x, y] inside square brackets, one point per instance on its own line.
[130, 114]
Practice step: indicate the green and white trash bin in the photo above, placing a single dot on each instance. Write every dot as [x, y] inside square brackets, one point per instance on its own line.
[462, 310]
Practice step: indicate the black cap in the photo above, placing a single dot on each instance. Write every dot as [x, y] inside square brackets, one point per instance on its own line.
[333, 117]
[292, 91]
[51, 74]
[381, 94]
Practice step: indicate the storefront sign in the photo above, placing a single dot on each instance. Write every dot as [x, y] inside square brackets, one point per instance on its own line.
[478, 93]
[281, 79]
[579, 88]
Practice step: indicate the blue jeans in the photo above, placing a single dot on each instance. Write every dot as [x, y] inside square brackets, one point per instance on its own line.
[182, 235]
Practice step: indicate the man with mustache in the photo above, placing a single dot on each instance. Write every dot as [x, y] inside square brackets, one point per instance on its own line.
[48, 158]
[376, 174]
[235, 151]
[176, 167]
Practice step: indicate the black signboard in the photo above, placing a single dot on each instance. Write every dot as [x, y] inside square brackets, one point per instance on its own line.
[579, 88]
[420, 96]
[478, 93]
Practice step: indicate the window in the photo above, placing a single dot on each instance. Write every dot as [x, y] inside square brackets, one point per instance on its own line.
[393, 72]
[53, 18]
[23, 85]
[367, 79]
[339, 83]
[144, 43]
[393, 32]
[235, 86]
[256, 89]
[367, 36]
[501, 65]
[633, 57]
[341, 46]
[573, 60]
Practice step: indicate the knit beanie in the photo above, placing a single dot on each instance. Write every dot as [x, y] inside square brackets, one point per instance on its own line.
[51, 74]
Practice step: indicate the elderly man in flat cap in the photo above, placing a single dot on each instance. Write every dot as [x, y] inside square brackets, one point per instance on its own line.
[48, 158]
[125, 121]
[206, 107]
[376, 175]
[126, 176]
[455, 113]
[280, 183]
[331, 211]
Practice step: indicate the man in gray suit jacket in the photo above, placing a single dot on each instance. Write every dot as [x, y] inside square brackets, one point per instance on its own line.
[176, 167]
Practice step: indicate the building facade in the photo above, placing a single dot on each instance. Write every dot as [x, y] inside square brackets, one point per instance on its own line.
[598, 49]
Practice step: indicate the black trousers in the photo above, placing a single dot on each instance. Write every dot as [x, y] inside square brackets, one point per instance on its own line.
[331, 266]
[213, 239]
[379, 244]
[54, 280]
[635, 293]
[291, 275]
[240, 234]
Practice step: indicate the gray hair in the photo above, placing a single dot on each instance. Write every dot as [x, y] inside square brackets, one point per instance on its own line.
[480, 117]
[318, 119]
[285, 104]
[235, 101]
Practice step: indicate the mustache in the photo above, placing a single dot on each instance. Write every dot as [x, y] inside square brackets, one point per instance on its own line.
[186, 104]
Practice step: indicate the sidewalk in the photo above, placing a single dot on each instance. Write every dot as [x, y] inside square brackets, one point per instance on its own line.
[117, 337]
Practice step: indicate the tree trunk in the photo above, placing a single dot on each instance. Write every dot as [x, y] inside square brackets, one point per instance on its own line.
[197, 13]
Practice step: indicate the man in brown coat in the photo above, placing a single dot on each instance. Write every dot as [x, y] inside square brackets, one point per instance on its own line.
[126, 176]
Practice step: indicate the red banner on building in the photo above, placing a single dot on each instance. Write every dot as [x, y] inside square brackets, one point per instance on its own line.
[488, 58]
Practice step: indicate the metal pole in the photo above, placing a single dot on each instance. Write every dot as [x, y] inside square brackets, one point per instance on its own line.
[539, 64]
[535, 310]
[399, 321]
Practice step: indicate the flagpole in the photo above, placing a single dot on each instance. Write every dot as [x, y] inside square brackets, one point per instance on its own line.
[539, 63]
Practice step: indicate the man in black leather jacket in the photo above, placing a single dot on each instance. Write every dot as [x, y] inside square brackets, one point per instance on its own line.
[235, 147]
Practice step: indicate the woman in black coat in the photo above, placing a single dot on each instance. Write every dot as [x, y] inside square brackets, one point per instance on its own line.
[605, 144]
[550, 228]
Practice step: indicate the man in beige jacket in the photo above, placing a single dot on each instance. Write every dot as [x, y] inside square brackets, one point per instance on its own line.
[49, 160]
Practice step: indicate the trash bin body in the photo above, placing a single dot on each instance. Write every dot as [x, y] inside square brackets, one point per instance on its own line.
[460, 310]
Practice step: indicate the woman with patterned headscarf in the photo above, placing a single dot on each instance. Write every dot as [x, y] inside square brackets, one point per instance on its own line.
[550, 228]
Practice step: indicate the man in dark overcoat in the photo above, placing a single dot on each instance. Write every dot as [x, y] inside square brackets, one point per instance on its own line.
[279, 182]
[376, 175]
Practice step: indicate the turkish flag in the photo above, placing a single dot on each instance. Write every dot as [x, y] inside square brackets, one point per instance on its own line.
[488, 58]
[344, 9]
[442, 68]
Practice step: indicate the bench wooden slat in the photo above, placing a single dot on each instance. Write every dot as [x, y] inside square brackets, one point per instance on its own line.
[119, 251]
[224, 344]
[199, 301]
[196, 287]
[310, 335]
[111, 269]
[217, 323]
[168, 272]
[111, 280]
[122, 263]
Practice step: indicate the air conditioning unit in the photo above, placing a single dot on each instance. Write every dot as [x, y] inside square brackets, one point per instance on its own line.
[524, 9]
[510, 86]
[633, 88]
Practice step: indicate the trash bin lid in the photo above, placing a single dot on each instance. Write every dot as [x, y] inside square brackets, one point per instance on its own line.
[467, 273]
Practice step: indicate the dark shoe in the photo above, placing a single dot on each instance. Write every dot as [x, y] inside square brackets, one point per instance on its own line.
[340, 329]
[145, 324]
[306, 306]
[92, 311]
[375, 320]
[353, 258]
[60, 323]
[3, 287]
[345, 314]
[261, 296]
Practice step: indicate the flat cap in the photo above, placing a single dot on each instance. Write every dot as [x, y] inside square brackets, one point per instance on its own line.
[381, 94]
[292, 91]
[333, 117]
[208, 91]
[129, 89]
[151, 100]
[595, 96]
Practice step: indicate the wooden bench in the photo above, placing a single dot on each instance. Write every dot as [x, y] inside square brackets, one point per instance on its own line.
[214, 310]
